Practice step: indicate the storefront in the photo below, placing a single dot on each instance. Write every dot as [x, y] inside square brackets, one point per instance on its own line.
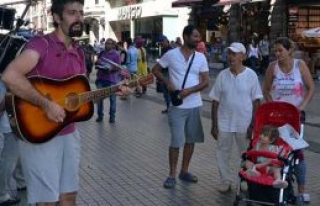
[149, 20]
[302, 16]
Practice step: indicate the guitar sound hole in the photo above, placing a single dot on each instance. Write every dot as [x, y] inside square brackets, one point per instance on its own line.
[72, 102]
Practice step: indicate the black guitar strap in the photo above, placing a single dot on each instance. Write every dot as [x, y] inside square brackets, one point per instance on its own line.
[186, 75]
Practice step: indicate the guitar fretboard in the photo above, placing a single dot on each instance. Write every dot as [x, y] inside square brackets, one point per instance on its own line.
[99, 94]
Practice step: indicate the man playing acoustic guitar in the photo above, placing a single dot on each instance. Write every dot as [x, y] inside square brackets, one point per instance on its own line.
[51, 168]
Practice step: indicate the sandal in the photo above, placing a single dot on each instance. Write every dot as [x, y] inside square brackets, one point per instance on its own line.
[188, 177]
[169, 183]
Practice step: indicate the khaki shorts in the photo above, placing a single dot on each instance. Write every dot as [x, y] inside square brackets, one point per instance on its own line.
[185, 126]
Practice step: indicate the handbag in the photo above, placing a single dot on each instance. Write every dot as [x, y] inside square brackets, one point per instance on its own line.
[176, 100]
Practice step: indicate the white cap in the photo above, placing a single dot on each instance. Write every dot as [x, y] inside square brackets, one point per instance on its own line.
[237, 48]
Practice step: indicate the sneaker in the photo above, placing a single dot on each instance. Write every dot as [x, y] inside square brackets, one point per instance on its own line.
[223, 188]
[99, 119]
[299, 200]
[306, 197]
[112, 120]
[164, 111]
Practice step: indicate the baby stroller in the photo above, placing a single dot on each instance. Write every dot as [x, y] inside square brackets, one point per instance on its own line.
[260, 188]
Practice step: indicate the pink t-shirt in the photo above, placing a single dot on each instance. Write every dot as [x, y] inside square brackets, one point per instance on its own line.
[57, 62]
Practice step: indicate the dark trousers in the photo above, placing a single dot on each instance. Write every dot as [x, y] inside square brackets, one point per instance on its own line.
[264, 64]
[166, 95]
[113, 100]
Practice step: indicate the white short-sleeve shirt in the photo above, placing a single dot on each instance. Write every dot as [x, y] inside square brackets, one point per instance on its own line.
[235, 95]
[177, 66]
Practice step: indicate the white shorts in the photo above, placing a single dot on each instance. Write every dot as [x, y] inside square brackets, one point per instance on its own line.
[51, 168]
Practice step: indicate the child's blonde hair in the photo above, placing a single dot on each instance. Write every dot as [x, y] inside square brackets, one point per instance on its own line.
[271, 132]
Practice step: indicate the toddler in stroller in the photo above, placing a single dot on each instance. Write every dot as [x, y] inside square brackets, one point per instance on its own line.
[270, 161]
[267, 138]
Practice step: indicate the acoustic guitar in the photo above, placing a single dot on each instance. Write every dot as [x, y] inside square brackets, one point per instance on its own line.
[30, 123]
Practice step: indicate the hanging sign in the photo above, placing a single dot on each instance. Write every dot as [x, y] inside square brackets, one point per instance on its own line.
[129, 12]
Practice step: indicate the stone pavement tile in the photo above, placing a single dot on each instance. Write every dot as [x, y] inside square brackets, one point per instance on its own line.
[125, 163]
[129, 159]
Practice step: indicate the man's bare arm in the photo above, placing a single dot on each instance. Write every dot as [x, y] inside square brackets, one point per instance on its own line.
[15, 78]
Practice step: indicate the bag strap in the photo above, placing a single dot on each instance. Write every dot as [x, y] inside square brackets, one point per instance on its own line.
[186, 75]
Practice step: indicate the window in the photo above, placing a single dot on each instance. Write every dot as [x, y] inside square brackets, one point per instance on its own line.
[96, 1]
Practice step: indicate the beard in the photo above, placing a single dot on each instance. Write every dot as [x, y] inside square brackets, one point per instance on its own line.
[76, 32]
[191, 45]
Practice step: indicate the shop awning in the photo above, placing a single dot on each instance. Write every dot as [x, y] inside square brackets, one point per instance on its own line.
[182, 3]
[228, 2]
[12, 2]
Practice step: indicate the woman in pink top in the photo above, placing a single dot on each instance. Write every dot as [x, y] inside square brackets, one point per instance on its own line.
[289, 80]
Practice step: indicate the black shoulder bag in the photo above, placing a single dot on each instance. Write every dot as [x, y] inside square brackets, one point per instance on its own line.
[175, 95]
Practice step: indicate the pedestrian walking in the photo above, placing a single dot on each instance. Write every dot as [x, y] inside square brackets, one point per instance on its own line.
[188, 75]
[165, 47]
[253, 54]
[107, 76]
[235, 97]
[264, 51]
[142, 64]
[89, 53]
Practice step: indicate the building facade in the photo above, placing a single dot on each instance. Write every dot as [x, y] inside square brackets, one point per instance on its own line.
[119, 19]
[148, 19]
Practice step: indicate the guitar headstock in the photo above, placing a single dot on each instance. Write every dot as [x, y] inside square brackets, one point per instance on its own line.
[145, 80]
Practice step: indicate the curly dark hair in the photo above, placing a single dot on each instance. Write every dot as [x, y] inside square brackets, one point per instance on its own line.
[57, 7]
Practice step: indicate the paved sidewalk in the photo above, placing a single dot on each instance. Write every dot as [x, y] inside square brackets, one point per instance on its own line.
[125, 163]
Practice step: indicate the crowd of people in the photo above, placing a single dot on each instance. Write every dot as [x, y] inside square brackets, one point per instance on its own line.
[50, 171]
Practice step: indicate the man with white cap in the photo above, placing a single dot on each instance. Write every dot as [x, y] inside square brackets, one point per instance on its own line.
[235, 97]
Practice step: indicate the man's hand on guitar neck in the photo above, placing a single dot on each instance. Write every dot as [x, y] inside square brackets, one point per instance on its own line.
[124, 90]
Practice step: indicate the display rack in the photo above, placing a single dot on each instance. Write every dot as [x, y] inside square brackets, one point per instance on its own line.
[301, 19]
